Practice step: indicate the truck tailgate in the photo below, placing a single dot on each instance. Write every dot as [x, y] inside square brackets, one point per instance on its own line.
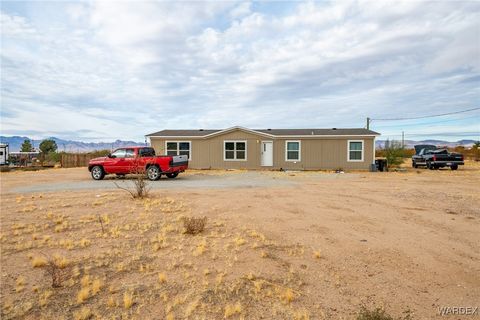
[179, 160]
[448, 157]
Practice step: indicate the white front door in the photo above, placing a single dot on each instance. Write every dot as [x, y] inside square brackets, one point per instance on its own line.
[267, 153]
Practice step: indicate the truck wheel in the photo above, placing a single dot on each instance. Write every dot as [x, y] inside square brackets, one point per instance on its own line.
[414, 164]
[153, 173]
[97, 173]
[172, 175]
[454, 167]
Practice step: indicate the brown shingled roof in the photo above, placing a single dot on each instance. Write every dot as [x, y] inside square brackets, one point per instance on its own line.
[318, 132]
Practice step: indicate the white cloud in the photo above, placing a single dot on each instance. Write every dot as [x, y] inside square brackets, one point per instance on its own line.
[13, 25]
[241, 10]
[196, 64]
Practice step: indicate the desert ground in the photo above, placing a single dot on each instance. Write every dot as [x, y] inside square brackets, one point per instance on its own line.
[276, 245]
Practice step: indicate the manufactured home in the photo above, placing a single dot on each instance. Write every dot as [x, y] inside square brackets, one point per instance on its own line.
[291, 149]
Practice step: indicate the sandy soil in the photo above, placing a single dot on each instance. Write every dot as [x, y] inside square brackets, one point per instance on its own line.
[307, 245]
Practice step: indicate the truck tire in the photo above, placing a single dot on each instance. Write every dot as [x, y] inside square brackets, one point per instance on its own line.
[97, 173]
[414, 164]
[454, 167]
[429, 165]
[172, 175]
[153, 173]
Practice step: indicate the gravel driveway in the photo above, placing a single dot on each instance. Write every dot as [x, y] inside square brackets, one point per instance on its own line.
[247, 179]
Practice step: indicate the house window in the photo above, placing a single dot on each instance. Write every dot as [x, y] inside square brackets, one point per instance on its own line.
[292, 150]
[355, 150]
[179, 148]
[235, 150]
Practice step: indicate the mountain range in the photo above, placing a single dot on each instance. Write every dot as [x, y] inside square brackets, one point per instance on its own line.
[379, 144]
[15, 143]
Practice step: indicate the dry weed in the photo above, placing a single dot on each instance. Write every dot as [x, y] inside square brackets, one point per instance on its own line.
[194, 225]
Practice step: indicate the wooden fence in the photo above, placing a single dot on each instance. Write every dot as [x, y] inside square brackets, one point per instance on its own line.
[70, 160]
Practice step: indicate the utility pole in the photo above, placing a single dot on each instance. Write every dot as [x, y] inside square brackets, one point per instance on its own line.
[403, 139]
[368, 123]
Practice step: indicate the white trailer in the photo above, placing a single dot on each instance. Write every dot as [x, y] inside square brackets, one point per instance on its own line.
[3, 154]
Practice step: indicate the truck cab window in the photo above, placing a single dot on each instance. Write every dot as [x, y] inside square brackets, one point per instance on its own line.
[120, 153]
[147, 152]
[130, 153]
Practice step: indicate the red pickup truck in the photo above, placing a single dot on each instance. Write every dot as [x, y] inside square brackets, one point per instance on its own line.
[137, 160]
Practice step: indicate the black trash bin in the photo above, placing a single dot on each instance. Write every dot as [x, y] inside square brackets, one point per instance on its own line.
[381, 164]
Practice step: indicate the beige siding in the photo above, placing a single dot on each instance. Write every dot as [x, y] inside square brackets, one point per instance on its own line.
[324, 153]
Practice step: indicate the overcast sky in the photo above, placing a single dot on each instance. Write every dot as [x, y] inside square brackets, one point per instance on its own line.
[98, 71]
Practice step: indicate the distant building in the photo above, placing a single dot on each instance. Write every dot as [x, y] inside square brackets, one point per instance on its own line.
[4, 154]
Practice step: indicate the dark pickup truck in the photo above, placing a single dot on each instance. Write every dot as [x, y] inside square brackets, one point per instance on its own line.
[433, 158]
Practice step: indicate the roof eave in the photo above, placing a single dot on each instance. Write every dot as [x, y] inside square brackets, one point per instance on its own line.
[275, 136]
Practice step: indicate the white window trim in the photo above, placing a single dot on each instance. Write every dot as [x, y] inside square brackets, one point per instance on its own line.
[178, 147]
[235, 150]
[348, 150]
[299, 150]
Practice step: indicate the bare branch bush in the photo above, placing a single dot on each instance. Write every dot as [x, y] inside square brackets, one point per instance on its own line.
[57, 269]
[194, 225]
[140, 187]
[101, 223]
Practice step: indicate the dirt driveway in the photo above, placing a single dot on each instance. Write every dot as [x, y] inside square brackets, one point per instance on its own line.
[401, 241]
[79, 179]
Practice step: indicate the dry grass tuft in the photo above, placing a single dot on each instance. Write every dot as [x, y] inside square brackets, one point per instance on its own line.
[38, 262]
[162, 277]
[127, 300]
[20, 282]
[43, 298]
[83, 295]
[239, 241]
[85, 281]
[301, 315]
[231, 310]
[60, 262]
[288, 295]
[201, 248]
[83, 314]
[111, 302]
[96, 286]
[194, 225]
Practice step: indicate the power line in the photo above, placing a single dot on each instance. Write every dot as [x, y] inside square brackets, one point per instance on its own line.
[425, 123]
[446, 134]
[430, 116]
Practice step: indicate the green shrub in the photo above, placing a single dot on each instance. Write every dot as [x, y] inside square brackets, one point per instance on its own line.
[394, 153]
